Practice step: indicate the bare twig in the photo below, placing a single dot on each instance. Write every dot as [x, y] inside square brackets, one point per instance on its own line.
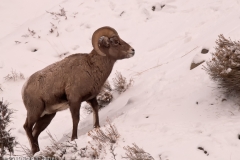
[32, 32]
[190, 51]
[74, 14]
[159, 65]
[136, 153]
[14, 76]
[122, 13]
[57, 149]
[149, 69]
[27, 151]
[112, 148]
[61, 13]
[109, 135]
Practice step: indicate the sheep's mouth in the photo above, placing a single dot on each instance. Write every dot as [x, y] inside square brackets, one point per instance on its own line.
[130, 55]
[131, 52]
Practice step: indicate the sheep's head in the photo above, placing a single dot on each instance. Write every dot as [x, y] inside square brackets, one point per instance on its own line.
[113, 45]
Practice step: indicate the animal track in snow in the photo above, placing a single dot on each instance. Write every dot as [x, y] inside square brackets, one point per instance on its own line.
[70, 28]
[112, 5]
[75, 47]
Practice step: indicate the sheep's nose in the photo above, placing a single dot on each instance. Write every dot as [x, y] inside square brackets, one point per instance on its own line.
[133, 51]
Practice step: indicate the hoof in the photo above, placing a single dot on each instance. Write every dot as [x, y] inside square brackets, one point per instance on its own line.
[73, 138]
[35, 150]
[96, 126]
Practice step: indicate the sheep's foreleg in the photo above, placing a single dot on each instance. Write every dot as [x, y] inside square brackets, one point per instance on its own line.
[75, 108]
[94, 104]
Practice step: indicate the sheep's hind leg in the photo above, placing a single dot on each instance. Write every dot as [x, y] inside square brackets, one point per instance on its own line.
[30, 121]
[93, 102]
[40, 125]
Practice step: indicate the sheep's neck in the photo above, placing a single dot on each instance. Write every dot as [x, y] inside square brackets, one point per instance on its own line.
[103, 65]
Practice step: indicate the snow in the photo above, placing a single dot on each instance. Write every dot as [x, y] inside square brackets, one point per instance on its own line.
[185, 109]
[226, 71]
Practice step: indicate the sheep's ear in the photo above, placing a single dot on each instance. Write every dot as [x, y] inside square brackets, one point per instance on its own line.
[104, 42]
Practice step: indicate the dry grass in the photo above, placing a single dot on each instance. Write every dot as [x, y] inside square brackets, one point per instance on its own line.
[120, 83]
[26, 151]
[53, 150]
[14, 76]
[107, 86]
[105, 96]
[102, 138]
[56, 150]
[95, 150]
[61, 13]
[107, 136]
[53, 29]
[31, 32]
[224, 67]
[112, 149]
[136, 153]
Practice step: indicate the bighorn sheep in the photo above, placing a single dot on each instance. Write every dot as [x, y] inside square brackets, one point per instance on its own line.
[67, 83]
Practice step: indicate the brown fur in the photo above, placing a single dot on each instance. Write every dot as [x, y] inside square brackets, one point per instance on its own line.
[67, 83]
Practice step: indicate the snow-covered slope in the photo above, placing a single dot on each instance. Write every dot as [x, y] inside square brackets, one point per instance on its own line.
[170, 110]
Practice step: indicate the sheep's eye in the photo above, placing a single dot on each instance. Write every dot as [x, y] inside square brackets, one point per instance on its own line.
[116, 42]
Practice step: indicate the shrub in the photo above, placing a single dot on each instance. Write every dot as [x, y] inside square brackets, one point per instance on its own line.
[136, 153]
[224, 67]
[105, 96]
[7, 142]
[57, 150]
[120, 83]
[102, 138]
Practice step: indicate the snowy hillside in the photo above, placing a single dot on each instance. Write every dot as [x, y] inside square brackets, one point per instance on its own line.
[170, 111]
